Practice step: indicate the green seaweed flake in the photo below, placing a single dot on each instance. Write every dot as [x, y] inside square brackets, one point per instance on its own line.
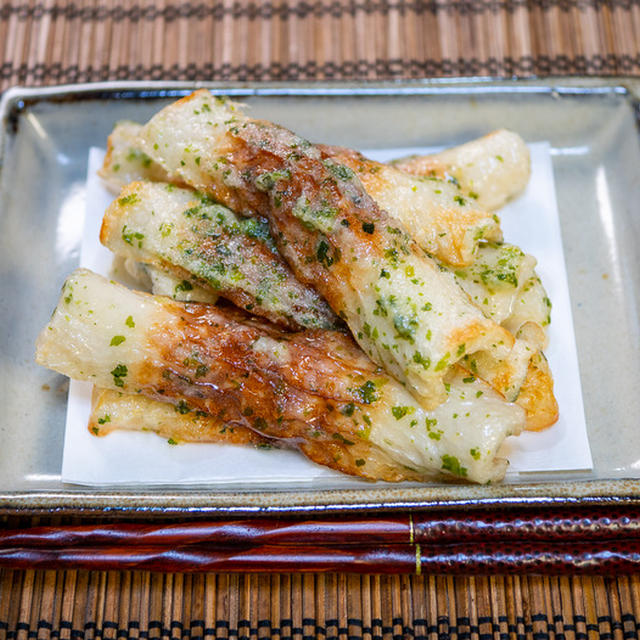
[452, 464]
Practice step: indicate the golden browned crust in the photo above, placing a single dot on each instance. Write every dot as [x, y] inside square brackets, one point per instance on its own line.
[302, 389]
[339, 457]
[451, 224]
[112, 410]
[536, 396]
[464, 335]
[309, 177]
[108, 157]
[421, 166]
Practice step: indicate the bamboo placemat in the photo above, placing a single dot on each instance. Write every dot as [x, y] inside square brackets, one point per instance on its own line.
[53, 42]
[45, 42]
[76, 604]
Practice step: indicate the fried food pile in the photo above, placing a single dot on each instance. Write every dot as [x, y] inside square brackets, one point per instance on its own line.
[369, 315]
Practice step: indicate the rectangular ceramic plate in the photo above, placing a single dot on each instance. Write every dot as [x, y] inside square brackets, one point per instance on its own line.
[592, 127]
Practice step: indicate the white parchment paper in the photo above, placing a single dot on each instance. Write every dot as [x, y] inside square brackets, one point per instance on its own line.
[531, 222]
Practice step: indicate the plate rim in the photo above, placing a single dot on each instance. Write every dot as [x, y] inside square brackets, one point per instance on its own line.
[421, 86]
[226, 503]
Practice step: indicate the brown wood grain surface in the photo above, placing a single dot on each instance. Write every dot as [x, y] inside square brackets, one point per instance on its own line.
[45, 42]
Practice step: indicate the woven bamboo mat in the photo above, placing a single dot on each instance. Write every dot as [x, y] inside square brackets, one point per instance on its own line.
[50, 42]
[142, 605]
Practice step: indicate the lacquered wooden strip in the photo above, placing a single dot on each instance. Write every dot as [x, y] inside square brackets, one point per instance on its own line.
[601, 558]
[444, 527]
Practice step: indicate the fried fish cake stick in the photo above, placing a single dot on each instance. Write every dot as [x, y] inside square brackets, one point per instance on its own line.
[207, 245]
[491, 170]
[503, 283]
[113, 410]
[315, 390]
[125, 162]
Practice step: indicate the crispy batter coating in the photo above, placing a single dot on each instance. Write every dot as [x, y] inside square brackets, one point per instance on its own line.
[437, 214]
[205, 244]
[111, 410]
[492, 170]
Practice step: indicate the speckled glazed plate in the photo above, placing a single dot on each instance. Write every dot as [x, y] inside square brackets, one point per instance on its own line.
[591, 125]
